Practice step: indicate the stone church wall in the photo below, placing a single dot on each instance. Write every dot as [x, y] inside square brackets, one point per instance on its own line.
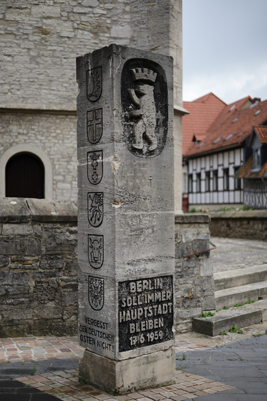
[38, 268]
[39, 43]
[40, 40]
[53, 132]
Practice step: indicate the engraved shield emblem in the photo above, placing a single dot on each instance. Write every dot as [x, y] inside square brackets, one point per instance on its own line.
[95, 166]
[94, 83]
[94, 125]
[95, 208]
[96, 292]
[96, 250]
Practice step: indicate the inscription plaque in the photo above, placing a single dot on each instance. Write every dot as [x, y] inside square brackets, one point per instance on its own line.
[145, 312]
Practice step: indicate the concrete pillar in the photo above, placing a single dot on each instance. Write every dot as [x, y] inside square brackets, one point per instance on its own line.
[126, 218]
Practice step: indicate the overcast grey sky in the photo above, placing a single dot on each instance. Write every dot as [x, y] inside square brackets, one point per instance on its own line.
[225, 49]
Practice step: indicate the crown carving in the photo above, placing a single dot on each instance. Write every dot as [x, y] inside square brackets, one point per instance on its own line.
[144, 74]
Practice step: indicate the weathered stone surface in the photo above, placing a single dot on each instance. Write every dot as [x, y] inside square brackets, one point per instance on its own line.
[42, 210]
[14, 210]
[251, 224]
[192, 218]
[33, 300]
[51, 262]
[16, 229]
[194, 284]
[128, 374]
[4, 261]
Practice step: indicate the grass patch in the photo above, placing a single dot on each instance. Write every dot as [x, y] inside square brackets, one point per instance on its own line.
[246, 208]
[245, 303]
[199, 210]
[234, 329]
[258, 335]
[33, 371]
[223, 333]
[225, 307]
[181, 367]
[207, 314]
[226, 209]
[184, 357]
[218, 310]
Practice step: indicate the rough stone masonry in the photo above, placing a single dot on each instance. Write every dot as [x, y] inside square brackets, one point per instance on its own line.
[126, 218]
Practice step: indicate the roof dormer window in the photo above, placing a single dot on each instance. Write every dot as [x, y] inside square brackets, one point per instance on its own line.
[257, 158]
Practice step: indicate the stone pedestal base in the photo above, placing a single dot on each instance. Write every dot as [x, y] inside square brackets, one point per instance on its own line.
[119, 377]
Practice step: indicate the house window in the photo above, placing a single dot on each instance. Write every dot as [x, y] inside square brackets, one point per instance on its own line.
[207, 181]
[215, 180]
[257, 158]
[184, 182]
[198, 182]
[190, 183]
[25, 176]
[237, 180]
[226, 179]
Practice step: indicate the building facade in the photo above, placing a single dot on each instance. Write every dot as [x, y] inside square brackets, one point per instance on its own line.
[211, 179]
[221, 145]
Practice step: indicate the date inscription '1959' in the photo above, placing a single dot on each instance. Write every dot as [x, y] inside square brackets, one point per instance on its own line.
[145, 312]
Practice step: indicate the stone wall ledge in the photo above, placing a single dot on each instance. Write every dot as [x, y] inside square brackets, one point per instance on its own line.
[239, 214]
[23, 210]
[38, 107]
[192, 218]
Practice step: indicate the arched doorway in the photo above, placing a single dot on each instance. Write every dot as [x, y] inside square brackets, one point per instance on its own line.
[25, 176]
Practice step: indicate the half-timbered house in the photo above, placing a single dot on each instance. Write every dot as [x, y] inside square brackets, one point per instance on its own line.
[214, 155]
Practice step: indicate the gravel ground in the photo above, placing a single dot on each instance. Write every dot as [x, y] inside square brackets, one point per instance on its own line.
[234, 253]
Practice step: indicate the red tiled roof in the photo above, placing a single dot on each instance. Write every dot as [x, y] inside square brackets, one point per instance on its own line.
[246, 170]
[203, 112]
[261, 131]
[231, 127]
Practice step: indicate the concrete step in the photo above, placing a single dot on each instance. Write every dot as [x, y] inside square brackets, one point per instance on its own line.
[238, 277]
[231, 296]
[223, 320]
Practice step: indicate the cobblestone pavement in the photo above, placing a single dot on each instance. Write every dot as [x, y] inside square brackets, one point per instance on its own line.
[28, 349]
[234, 253]
[32, 349]
[64, 385]
[45, 369]
[242, 365]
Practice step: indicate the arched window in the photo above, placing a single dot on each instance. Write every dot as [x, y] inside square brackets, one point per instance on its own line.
[25, 176]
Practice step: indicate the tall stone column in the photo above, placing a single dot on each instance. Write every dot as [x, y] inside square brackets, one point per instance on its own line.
[126, 218]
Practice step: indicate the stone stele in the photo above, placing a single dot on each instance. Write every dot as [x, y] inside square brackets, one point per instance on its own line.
[126, 218]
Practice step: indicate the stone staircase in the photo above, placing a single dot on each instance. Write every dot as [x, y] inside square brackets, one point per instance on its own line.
[234, 287]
